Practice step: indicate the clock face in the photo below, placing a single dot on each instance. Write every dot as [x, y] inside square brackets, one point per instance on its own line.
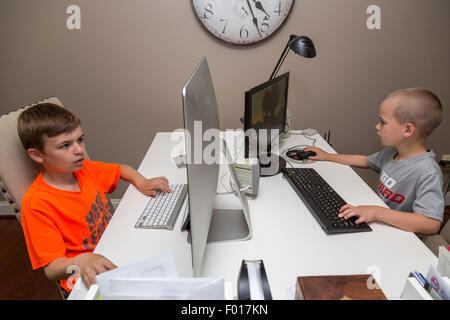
[242, 21]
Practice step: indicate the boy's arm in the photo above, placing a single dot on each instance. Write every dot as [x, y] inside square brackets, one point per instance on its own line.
[144, 185]
[413, 222]
[129, 174]
[88, 264]
[353, 160]
[408, 221]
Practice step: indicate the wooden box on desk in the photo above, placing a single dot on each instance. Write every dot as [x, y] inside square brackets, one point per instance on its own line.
[345, 287]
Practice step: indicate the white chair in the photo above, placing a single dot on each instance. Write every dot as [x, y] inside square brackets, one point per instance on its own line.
[17, 170]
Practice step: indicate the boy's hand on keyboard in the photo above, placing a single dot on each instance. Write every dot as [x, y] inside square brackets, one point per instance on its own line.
[363, 213]
[150, 186]
[144, 185]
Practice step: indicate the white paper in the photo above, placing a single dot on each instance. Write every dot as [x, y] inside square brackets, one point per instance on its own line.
[255, 281]
[156, 267]
[166, 288]
[443, 266]
[438, 283]
[228, 288]
[290, 292]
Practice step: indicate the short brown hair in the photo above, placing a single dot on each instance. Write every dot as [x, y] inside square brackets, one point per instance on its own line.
[418, 106]
[44, 119]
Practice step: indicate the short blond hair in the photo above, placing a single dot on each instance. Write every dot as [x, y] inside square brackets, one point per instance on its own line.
[418, 106]
[44, 119]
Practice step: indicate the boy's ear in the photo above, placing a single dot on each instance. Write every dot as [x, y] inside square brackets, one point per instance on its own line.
[410, 129]
[35, 155]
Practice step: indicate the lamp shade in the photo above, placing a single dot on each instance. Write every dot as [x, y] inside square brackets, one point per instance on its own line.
[303, 46]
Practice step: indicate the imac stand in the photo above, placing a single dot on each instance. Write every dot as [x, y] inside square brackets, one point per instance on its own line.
[230, 224]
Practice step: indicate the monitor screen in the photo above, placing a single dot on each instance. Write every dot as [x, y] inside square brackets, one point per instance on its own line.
[265, 108]
[207, 224]
[200, 105]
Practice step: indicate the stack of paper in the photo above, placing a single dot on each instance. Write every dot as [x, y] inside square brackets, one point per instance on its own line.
[156, 278]
[439, 277]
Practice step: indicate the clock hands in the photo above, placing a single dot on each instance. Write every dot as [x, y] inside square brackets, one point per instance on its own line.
[259, 6]
[255, 21]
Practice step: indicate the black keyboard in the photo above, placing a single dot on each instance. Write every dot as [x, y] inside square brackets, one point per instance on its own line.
[323, 202]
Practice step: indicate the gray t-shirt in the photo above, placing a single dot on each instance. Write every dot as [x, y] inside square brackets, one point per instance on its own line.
[412, 185]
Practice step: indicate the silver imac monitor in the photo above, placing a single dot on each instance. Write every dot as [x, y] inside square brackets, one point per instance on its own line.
[206, 223]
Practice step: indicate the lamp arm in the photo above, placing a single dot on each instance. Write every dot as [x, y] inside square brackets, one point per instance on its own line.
[279, 67]
[280, 61]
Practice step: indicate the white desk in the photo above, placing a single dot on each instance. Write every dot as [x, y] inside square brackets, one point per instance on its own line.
[285, 235]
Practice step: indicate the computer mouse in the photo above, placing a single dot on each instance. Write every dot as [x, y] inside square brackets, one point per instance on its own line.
[306, 154]
[300, 154]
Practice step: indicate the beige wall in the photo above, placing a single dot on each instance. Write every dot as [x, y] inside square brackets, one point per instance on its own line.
[123, 72]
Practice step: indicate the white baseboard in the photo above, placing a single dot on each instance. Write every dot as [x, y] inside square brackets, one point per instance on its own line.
[6, 210]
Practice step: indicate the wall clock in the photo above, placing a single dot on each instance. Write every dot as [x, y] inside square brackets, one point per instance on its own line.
[242, 21]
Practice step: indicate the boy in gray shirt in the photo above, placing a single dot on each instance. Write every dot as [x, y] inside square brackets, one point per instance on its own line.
[410, 180]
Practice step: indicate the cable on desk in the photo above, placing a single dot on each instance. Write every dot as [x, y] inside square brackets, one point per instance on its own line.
[302, 134]
[243, 188]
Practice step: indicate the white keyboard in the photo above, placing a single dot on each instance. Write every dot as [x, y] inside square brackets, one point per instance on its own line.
[162, 210]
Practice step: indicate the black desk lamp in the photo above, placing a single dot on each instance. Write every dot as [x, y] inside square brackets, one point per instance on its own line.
[301, 45]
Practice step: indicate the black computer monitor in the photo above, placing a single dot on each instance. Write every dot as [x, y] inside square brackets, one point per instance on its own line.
[265, 113]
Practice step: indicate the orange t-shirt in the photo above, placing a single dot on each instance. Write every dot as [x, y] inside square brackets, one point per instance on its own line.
[59, 223]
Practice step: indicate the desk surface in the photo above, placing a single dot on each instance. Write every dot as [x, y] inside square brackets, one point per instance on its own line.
[285, 235]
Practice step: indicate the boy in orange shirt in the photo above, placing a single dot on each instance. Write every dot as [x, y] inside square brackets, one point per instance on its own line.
[65, 211]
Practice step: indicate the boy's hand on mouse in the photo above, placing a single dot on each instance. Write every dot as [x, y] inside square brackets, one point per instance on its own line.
[91, 265]
[150, 186]
[363, 213]
[320, 154]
